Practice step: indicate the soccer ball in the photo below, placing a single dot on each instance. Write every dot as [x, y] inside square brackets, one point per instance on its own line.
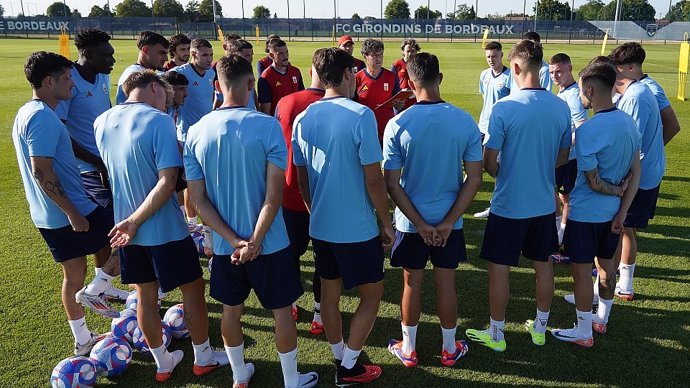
[124, 326]
[111, 356]
[174, 317]
[132, 301]
[73, 372]
[140, 343]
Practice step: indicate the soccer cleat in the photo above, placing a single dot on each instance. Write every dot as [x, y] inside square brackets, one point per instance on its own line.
[599, 327]
[571, 335]
[163, 376]
[624, 295]
[113, 293]
[484, 338]
[85, 349]
[245, 383]
[220, 358]
[96, 303]
[483, 214]
[295, 314]
[316, 328]
[461, 348]
[395, 348]
[538, 339]
[570, 298]
[359, 374]
[307, 380]
[558, 258]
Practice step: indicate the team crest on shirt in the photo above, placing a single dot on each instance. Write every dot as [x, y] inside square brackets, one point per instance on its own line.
[385, 86]
[500, 85]
[294, 79]
[89, 94]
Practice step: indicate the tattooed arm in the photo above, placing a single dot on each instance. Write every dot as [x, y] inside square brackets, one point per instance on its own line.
[48, 181]
[601, 186]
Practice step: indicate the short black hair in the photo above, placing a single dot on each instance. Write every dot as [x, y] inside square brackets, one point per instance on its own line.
[330, 64]
[560, 58]
[275, 43]
[494, 46]
[199, 43]
[142, 79]
[628, 53]
[238, 45]
[424, 68]
[601, 72]
[230, 36]
[371, 46]
[90, 37]
[532, 35]
[268, 39]
[175, 78]
[177, 40]
[602, 59]
[42, 64]
[150, 38]
[231, 68]
[528, 51]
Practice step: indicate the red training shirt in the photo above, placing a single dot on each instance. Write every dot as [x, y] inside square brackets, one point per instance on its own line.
[375, 91]
[274, 85]
[288, 109]
[400, 69]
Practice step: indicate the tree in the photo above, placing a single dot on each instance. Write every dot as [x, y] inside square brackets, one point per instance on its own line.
[76, 13]
[261, 12]
[680, 11]
[397, 9]
[464, 12]
[58, 8]
[589, 10]
[168, 8]
[423, 13]
[206, 10]
[191, 11]
[98, 12]
[132, 8]
[275, 15]
[355, 16]
[631, 10]
[552, 10]
[2, 10]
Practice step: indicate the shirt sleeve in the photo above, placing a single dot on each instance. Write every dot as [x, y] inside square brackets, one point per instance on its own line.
[167, 153]
[567, 135]
[192, 168]
[367, 139]
[259, 68]
[481, 84]
[392, 155]
[585, 152]
[276, 150]
[42, 135]
[496, 128]
[396, 85]
[473, 151]
[297, 157]
[300, 84]
[264, 90]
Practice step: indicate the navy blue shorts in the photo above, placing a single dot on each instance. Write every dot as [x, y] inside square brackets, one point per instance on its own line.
[356, 263]
[172, 264]
[411, 252]
[274, 278]
[297, 225]
[505, 238]
[95, 190]
[65, 244]
[181, 183]
[585, 240]
[566, 176]
[642, 208]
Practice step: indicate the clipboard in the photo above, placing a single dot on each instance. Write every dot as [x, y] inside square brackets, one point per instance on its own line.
[401, 95]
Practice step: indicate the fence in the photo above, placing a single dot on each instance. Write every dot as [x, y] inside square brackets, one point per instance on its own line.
[320, 29]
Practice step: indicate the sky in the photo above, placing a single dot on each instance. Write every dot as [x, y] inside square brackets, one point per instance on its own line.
[315, 8]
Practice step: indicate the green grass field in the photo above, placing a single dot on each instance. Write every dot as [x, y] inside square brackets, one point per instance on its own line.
[648, 343]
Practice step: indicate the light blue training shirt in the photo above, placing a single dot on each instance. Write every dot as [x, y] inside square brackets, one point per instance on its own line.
[493, 87]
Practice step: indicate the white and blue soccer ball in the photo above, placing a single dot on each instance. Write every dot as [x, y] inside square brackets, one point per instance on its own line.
[123, 327]
[132, 301]
[111, 356]
[140, 343]
[73, 372]
[174, 317]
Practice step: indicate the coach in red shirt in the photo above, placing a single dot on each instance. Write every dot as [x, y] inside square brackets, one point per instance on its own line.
[409, 48]
[375, 84]
[278, 80]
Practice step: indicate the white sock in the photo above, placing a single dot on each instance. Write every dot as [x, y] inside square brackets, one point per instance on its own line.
[350, 357]
[558, 221]
[496, 329]
[626, 279]
[584, 323]
[192, 220]
[101, 282]
[288, 363]
[449, 339]
[409, 338]
[540, 321]
[164, 360]
[203, 354]
[338, 350]
[81, 333]
[604, 310]
[236, 357]
[596, 288]
[317, 312]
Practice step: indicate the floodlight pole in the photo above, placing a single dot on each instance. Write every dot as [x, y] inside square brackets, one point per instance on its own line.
[570, 30]
[21, 3]
[64, 7]
[536, 13]
[615, 18]
[428, 4]
[244, 33]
